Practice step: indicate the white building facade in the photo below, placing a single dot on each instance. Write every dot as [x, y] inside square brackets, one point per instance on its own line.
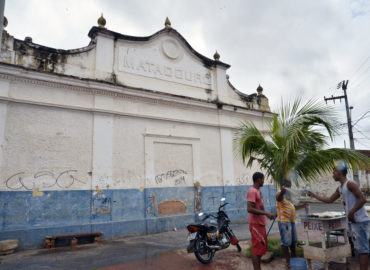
[128, 135]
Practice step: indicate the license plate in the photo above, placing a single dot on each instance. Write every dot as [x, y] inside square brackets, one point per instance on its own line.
[192, 236]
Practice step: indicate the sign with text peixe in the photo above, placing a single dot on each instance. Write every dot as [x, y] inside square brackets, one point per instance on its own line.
[324, 224]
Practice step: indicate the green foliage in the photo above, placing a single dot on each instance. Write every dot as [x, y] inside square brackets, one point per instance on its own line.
[275, 248]
[293, 145]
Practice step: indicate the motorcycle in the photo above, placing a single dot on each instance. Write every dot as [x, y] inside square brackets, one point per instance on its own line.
[207, 238]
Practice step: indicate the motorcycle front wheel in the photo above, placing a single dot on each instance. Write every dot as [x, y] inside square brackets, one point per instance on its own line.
[203, 253]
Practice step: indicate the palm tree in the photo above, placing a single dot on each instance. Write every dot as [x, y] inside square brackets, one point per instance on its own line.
[294, 143]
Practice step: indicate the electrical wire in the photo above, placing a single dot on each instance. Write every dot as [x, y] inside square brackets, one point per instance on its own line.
[360, 83]
[359, 68]
[363, 73]
[363, 134]
[357, 141]
[362, 117]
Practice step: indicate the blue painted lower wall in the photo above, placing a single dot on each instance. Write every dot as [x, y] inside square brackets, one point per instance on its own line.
[114, 212]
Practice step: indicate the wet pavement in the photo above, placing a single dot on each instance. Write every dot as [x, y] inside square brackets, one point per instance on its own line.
[157, 251]
[229, 259]
[224, 260]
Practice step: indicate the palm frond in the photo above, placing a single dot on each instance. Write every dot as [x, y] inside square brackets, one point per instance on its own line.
[295, 143]
[315, 163]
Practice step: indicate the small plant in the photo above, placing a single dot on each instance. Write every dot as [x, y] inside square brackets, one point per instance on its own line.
[275, 248]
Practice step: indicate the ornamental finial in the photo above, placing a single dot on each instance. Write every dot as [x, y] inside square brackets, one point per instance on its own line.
[167, 23]
[101, 21]
[259, 89]
[5, 22]
[216, 56]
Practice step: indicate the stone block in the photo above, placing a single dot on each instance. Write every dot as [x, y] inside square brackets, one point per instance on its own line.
[8, 246]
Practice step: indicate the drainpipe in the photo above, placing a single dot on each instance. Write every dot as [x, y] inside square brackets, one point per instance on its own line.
[2, 5]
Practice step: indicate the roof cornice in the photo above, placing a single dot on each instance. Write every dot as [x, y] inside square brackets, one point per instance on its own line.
[95, 31]
[21, 74]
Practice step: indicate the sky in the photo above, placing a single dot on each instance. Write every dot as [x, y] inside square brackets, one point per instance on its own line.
[294, 49]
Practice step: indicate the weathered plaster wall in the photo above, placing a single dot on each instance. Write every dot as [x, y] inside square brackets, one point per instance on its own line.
[46, 148]
[79, 65]
[128, 135]
[69, 171]
[128, 161]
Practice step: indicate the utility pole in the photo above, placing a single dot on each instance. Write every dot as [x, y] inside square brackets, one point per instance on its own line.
[344, 85]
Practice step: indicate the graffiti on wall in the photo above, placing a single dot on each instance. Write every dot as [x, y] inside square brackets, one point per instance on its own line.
[151, 205]
[101, 204]
[243, 179]
[44, 179]
[178, 177]
[198, 196]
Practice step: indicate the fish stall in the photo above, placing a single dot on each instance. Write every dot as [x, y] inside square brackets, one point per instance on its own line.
[329, 249]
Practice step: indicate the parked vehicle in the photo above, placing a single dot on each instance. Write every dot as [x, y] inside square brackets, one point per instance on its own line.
[213, 233]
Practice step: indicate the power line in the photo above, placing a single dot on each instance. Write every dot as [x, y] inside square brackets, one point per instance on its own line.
[341, 134]
[362, 74]
[358, 84]
[357, 131]
[362, 133]
[367, 146]
[361, 117]
[358, 69]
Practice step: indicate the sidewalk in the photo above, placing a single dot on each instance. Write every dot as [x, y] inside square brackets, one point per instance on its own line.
[228, 259]
[117, 251]
[157, 251]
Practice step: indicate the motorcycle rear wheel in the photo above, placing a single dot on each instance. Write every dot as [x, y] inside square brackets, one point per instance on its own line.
[203, 253]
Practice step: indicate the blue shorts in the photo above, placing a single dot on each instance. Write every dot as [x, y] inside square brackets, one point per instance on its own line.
[288, 233]
[360, 236]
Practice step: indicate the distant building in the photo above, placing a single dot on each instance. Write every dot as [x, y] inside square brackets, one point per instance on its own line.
[327, 186]
[127, 135]
[364, 174]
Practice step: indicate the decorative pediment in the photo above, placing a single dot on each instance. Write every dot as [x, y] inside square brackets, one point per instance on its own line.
[165, 55]
[163, 62]
[94, 31]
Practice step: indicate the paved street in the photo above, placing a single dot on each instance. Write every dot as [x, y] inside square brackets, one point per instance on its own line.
[157, 251]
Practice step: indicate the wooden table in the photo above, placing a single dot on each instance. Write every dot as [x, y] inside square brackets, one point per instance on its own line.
[326, 250]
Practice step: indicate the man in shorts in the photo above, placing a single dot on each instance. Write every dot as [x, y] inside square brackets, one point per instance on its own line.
[257, 220]
[354, 207]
